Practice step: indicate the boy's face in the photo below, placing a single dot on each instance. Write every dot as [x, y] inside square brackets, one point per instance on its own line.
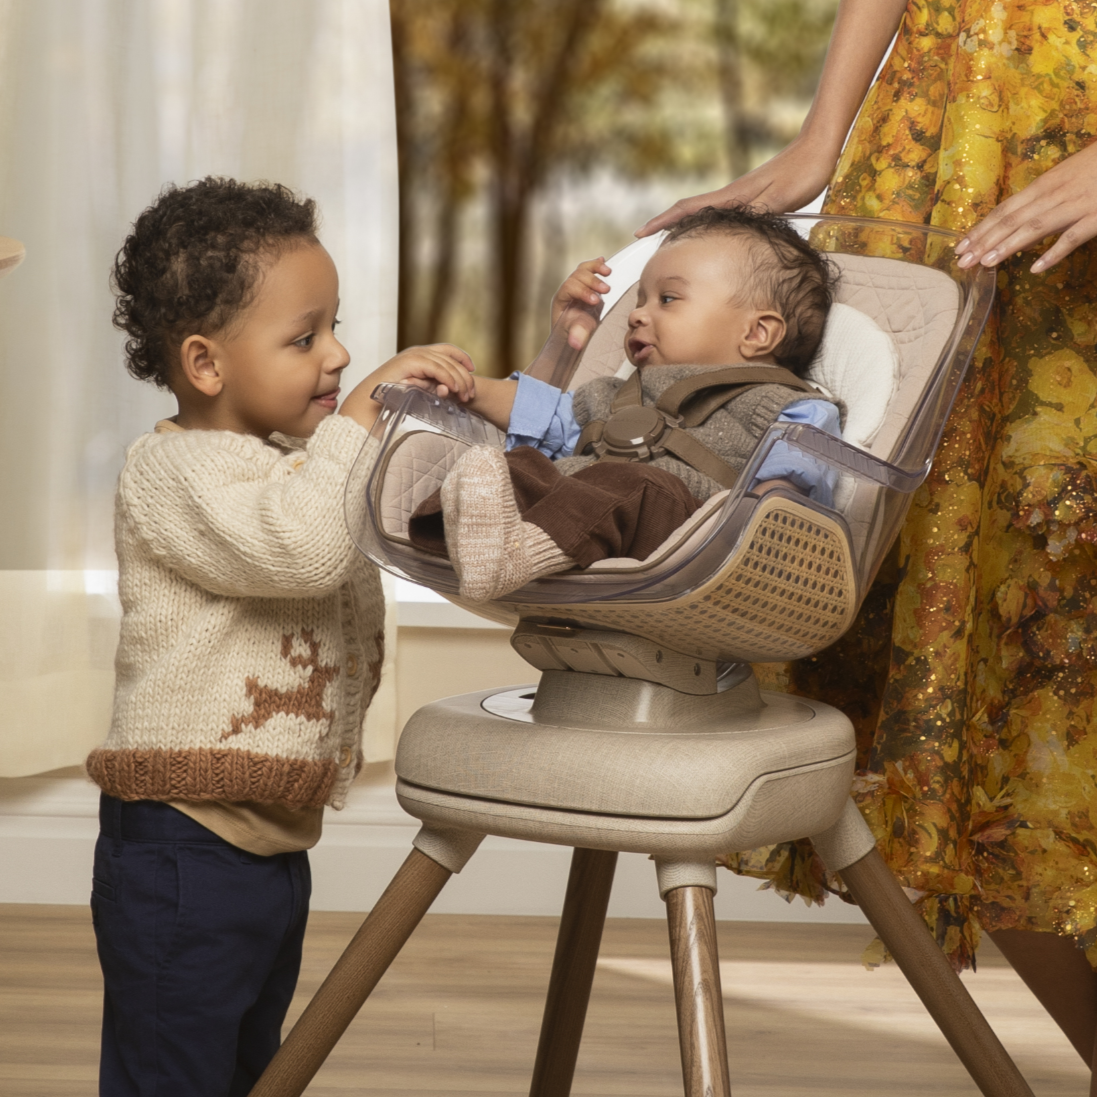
[278, 364]
[686, 311]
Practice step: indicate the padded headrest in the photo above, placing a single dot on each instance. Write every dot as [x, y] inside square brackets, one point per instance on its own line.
[858, 363]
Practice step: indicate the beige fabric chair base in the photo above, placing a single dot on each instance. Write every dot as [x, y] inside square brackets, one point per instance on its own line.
[636, 767]
[616, 788]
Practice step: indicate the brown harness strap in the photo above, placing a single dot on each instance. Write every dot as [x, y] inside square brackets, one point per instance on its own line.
[590, 434]
[630, 394]
[680, 391]
[697, 455]
[720, 387]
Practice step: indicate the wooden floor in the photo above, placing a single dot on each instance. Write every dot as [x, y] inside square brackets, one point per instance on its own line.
[459, 1012]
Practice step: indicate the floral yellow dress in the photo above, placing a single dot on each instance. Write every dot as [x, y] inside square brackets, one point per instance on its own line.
[977, 648]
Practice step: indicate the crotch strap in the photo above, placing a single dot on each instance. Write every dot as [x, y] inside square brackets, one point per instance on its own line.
[636, 431]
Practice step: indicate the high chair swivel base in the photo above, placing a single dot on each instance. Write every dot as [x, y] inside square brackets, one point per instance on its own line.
[635, 766]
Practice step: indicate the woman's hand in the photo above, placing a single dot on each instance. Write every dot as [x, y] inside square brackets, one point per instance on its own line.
[863, 30]
[1062, 201]
[789, 181]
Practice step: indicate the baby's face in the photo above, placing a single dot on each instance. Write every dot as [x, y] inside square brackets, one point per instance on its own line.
[686, 311]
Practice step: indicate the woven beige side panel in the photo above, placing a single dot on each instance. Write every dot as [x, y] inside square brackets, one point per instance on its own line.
[789, 590]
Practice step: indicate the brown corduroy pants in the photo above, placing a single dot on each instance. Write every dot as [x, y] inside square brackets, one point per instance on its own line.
[610, 508]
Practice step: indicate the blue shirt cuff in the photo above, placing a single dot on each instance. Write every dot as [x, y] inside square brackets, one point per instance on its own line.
[808, 474]
[542, 418]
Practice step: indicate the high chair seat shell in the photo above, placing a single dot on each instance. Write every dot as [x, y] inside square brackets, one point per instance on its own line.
[741, 580]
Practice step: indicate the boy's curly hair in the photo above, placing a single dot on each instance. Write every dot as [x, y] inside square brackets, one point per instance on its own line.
[789, 275]
[193, 261]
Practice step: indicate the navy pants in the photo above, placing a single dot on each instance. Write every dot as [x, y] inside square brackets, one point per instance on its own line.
[200, 945]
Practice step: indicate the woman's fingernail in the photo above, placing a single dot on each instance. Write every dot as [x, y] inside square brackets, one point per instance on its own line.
[1038, 266]
[963, 245]
[965, 261]
[990, 259]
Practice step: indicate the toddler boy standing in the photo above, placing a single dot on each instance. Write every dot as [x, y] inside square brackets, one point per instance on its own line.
[251, 638]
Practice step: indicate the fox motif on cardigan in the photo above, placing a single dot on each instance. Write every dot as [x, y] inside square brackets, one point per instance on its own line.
[252, 630]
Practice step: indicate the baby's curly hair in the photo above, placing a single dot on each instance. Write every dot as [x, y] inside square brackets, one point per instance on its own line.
[193, 260]
[790, 276]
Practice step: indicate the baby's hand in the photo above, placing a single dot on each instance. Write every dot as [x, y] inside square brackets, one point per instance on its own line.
[583, 288]
[441, 367]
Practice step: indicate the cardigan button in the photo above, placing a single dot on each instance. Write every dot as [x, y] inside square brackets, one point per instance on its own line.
[352, 665]
[346, 757]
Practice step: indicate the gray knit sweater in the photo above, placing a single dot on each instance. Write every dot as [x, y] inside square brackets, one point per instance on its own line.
[731, 432]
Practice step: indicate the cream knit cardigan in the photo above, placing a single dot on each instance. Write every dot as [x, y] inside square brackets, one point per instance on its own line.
[252, 630]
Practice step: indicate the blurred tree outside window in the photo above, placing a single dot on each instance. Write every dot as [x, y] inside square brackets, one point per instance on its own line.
[536, 133]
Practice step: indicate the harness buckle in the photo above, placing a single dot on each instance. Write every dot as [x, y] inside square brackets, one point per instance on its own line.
[632, 434]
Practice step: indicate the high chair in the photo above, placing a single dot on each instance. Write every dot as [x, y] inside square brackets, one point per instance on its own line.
[648, 732]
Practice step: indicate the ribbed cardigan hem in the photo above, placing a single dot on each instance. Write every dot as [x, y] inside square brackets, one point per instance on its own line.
[228, 776]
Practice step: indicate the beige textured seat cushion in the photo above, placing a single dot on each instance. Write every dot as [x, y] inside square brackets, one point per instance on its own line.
[858, 363]
[454, 746]
[414, 469]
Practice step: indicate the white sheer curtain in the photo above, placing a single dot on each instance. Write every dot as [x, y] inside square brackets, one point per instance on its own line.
[101, 103]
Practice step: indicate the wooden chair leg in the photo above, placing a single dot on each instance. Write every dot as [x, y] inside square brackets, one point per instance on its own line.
[692, 923]
[584, 916]
[368, 956]
[920, 959]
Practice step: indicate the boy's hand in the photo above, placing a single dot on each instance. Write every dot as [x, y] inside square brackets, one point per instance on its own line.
[441, 368]
[582, 289]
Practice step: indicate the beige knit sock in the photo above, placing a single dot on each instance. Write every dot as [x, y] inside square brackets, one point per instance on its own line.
[492, 550]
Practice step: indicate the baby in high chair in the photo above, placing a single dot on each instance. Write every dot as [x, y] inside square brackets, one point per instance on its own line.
[730, 311]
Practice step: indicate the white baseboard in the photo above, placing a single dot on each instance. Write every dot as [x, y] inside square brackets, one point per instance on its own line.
[48, 827]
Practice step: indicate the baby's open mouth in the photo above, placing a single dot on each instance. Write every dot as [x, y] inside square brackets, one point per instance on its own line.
[638, 350]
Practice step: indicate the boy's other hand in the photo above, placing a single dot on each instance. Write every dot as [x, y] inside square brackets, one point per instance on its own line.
[582, 288]
[441, 368]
